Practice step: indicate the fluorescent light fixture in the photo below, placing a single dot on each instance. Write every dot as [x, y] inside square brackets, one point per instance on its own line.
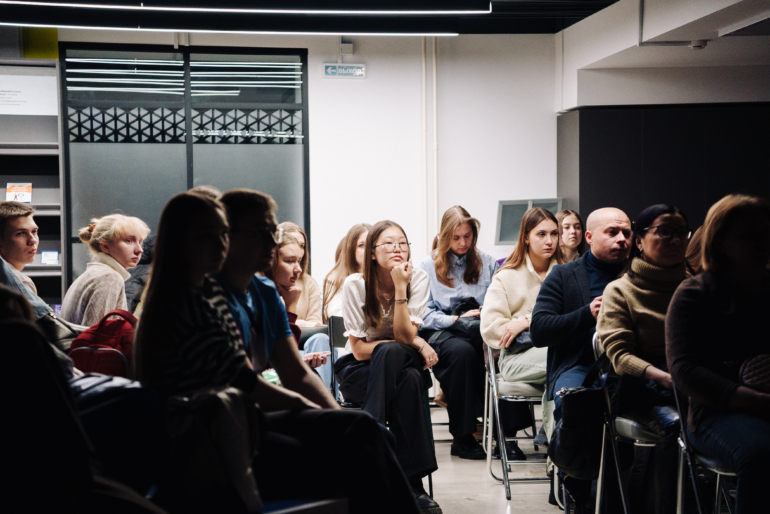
[242, 64]
[254, 32]
[141, 62]
[127, 81]
[170, 91]
[158, 73]
[283, 74]
[243, 83]
[142, 7]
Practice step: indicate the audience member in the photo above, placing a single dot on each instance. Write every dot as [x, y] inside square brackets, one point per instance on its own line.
[715, 324]
[387, 371]
[18, 239]
[350, 260]
[458, 271]
[511, 297]
[350, 456]
[631, 326]
[303, 291]
[571, 239]
[564, 317]
[693, 255]
[115, 243]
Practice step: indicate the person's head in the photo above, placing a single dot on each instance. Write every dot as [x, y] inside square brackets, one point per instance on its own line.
[286, 268]
[18, 234]
[571, 230]
[118, 236]
[538, 238]
[608, 233]
[191, 243]
[350, 259]
[661, 236]
[208, 191]
[458, 236]
[736, 235]
[386, 247]
[693, 254]
[254, 233]
[297, 233]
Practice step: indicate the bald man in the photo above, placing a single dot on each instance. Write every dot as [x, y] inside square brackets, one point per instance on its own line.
[564, 317]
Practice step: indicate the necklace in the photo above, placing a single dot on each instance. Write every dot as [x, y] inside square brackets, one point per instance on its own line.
[388, 298]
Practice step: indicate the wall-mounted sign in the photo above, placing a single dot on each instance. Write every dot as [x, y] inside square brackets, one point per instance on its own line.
[31, 95]
[344, 71]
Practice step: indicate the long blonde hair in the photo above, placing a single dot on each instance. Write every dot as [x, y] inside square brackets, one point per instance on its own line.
[372, 307]
[532, 218]
[719, 219]
[344, 266]
[289, 227]
[453, 218]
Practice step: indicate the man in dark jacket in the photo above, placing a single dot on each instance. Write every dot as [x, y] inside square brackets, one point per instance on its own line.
[564, 317]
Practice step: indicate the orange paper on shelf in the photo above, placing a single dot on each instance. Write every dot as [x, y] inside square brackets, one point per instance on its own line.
[18, 192]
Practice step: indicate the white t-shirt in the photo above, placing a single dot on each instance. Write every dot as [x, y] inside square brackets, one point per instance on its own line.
[354, 296]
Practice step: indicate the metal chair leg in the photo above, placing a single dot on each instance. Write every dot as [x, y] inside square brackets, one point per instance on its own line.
[430, 485]
[600, 480]
[485, 421]
[728, 500]
[501, 446]
[534, 424]
[718, 496]
[680, 481]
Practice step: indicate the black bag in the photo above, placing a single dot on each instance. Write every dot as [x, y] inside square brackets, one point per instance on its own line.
[124, 421]
[576, 442]
[648, 403]
[59, 331]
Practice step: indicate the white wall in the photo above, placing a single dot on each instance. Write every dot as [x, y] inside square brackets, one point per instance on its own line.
[496, 129]
[497, 125]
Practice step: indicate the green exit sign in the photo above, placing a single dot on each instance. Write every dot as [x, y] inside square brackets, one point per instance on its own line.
[344, 71]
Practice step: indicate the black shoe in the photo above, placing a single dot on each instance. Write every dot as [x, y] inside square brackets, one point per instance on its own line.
[426, 504]
[467, 448]
[512, 451]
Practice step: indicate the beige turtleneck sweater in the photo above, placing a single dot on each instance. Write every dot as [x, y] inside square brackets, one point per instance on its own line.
[101, 289]
[632, 320]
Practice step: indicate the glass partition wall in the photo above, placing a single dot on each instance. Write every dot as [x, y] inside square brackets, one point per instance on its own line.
[144, 125]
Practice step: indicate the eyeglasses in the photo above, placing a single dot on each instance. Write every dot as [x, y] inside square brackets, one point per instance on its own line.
[390, 247]
[276, 234]
[666, 232]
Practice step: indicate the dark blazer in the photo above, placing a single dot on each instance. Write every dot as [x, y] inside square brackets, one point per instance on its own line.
[561, 319]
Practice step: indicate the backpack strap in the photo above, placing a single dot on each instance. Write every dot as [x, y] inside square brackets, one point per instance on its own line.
[119, 312]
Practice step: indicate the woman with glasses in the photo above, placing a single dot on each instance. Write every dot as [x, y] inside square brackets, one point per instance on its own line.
[717, 323]
[303, 293]
[631, 326]
[387, 371]
[458, 272]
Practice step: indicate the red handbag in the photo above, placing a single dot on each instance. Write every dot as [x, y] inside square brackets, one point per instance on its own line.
[106, 347]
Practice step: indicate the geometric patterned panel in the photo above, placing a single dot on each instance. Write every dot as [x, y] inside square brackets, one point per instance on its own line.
[134, 125]
[247, 126]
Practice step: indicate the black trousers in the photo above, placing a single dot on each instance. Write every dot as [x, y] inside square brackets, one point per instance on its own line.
[460, 369]
[391, 389]
[316, 454]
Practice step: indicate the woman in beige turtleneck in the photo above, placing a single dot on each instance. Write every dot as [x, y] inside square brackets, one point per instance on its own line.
[115, 242]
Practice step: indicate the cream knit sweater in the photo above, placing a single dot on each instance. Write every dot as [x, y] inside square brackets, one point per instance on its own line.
[309, 303]
[632, 319]
[96, 292]
[511, 296]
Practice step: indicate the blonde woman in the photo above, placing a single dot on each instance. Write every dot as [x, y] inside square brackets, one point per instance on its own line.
[511, 298]
[115, 243]
[458, 271]
[303, 291]
[350, 260]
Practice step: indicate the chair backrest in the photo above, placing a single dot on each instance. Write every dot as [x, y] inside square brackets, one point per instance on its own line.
[597, 346]
[308, 332]
[337, 331]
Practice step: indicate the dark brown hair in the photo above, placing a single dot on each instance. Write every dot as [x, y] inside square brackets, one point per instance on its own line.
[372, 307]
[532, 218]
[453, 218]
[718, 221]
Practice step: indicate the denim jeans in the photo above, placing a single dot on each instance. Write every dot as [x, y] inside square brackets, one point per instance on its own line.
[320, 343]
[740, 442]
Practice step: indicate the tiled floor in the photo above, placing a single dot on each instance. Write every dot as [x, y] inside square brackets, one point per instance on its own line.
[465, 487]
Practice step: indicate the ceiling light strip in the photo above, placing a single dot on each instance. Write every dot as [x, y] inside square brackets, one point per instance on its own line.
[254, 32]
[142, 7]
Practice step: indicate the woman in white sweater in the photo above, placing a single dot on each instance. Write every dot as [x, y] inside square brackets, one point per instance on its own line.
[115, 242]
[511, 297]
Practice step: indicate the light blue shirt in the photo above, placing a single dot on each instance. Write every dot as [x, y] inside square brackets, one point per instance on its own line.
[442, 298]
